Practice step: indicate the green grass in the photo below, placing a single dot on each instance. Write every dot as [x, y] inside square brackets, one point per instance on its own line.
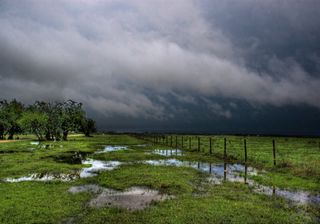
[300, 156]
[32, 202]
[196, 200]
[229, 203]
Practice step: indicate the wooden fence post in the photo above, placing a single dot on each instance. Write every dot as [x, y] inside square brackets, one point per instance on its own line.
[181, 141]
[171, 140]
[245, 150]
[245, 173]
[176, 141]
[225, 148]
[198, 144]
[224, 171]
[210, 145]
[274, 152]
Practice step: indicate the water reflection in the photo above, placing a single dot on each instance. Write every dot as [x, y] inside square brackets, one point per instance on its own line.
[224, 171]
[239, 173]
[96, 166]
[44, 145]
[168, 152]
[134, 198]
[111, 148]
[44, 177]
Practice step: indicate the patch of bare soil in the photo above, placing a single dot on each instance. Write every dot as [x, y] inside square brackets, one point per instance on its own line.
[6, 141]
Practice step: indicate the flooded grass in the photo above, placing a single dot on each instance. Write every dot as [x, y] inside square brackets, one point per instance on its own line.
[134, 198]
[168, 152]
[110, 148]
[104, 187]
[97, 166]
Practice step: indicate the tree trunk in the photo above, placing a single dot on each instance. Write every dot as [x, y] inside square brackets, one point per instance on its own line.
[48, 136]
[87, 134]
[10, 137]
[65, 135]
[58, 135]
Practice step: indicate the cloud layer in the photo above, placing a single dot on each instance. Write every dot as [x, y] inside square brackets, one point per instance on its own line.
[134, 58]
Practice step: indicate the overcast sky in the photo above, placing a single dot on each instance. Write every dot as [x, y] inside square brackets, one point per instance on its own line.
[160, 65]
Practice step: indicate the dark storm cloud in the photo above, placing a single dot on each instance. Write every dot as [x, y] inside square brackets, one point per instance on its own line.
[134, 58]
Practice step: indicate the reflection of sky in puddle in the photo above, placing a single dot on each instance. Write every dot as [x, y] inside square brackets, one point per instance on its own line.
[43, 145]
[134, 198]
[93, 170]
[97, 166]
[44, 177]
[168, 152]
[219, 171]
[295, 196]
[110, 148]
[232, 172]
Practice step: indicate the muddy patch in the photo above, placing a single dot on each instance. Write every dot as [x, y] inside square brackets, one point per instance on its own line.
[134, 198]
[92, 188]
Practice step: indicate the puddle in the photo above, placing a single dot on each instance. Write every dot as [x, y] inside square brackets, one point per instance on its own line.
[97, 166]
[71, 158]
[44, 177]
[93, 170]
[42, 145]
[239, 173]
[134, 198]
[86, 188]
[110, 148]
[301, 197]
[219, 172]
[168, 152]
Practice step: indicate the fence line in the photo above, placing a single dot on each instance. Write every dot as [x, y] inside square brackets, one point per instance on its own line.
[230, 146]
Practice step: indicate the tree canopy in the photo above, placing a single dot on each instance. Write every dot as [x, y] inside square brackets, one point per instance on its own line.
[47, 120]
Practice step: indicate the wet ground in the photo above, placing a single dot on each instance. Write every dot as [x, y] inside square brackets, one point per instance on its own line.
[134, 198]
[110, 148]
[218, 174]
[168, 152]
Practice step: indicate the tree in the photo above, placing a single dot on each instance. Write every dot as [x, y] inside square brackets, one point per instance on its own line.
[34, 122]
[4, 124]
[72, 117]
[10, 112]
[55, 117]
[88, 126]
[44, 119]
[14, 113]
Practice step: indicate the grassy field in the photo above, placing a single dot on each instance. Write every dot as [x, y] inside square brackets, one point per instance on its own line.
[299, 157]
[196, 200]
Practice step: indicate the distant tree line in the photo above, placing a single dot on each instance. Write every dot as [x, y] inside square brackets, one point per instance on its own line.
[47, 120]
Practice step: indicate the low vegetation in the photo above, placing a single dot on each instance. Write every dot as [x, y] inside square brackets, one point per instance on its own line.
[196, 200]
